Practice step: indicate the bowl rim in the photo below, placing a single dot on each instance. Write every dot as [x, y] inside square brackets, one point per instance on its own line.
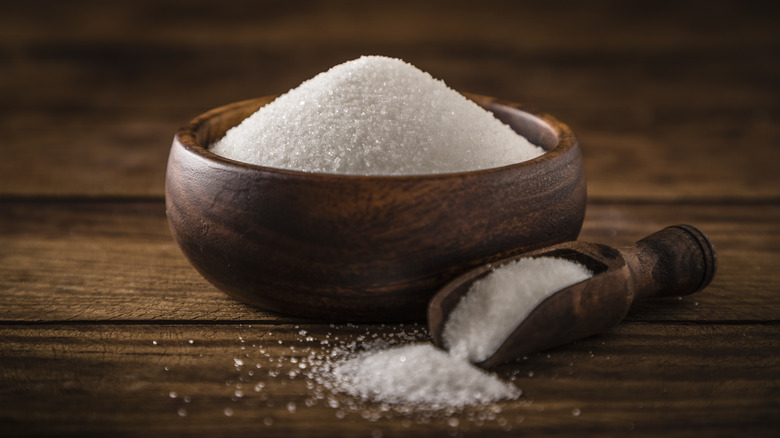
[187, 136]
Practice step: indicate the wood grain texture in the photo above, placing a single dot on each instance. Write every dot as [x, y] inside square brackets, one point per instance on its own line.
[674, 262]
[366, 248]
[642, 379]
[101, 260]
[676, 106]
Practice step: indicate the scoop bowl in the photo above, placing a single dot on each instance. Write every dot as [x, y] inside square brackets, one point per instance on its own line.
[678, 260]
[363, 248]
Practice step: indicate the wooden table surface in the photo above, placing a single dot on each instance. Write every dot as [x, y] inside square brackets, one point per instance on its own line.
[105, 329]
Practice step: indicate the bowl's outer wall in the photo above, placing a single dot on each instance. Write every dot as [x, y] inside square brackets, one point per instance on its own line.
[358, 248]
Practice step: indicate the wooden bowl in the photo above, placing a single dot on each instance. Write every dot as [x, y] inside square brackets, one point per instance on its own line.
[363, 248]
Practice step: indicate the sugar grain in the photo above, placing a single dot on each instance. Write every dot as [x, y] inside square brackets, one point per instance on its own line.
[420, 375]
[374, 116]
[496, 304]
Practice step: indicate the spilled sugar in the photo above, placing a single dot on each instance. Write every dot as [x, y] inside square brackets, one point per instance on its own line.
[419, 375]
[269, 378]
[374, 116]
[498, 303]
[389, 374]
[424, 376]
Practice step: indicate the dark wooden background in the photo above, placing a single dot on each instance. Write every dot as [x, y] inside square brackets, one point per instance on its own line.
[676, 105]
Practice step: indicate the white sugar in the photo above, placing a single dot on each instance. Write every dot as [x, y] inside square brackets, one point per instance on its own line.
[419, 375]
[374, 116]
[498, 303]
[423, 376]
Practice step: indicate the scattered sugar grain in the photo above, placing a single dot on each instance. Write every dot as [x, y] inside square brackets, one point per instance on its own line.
[322, 387]
[374, 116]
[498, 303]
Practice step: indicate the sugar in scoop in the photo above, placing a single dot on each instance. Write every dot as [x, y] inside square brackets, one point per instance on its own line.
[495, 305]
[374, 116]
[547, 299]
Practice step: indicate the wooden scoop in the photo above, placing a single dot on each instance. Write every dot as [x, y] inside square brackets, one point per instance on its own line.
[678, 260]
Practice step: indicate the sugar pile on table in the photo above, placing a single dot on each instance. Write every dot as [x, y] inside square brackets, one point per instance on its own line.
[419, 375]
[424, 376]
[399, 375]
[374, 116]
[499, 302]
[389, 374]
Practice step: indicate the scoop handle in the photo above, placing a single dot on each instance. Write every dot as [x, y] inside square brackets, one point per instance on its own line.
[678, 260]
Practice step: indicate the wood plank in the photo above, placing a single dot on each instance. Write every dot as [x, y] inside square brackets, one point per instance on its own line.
[58, 153]
[102, 261]
[643, 379]
[98, 260]
[605, 25]
[745, 281]
[106, 329]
